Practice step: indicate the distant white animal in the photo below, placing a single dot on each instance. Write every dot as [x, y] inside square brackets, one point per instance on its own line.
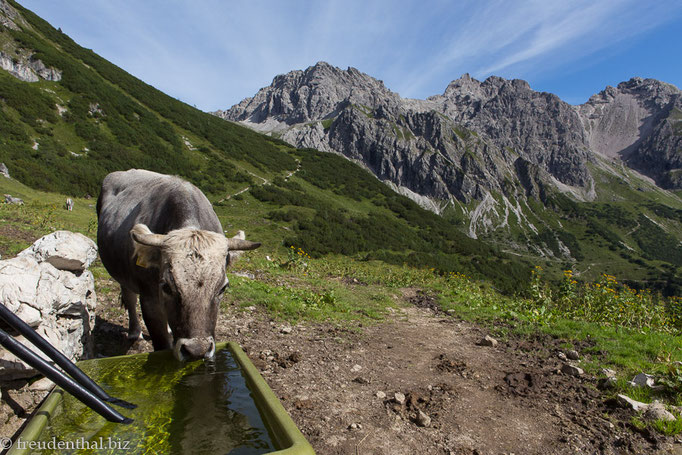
[9, 199]
[69, 204]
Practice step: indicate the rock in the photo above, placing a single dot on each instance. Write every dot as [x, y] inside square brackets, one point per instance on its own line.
[399, 398]
[246, 275]
[42, 385]
[295, 357]
[58, 304]
[28, 69]
[657, 411]
[643, 380]
[286, 329]
[572, 355]
[571, 370]
[607, 383]
[356, 368]
[64, 250]
[608, 373]
[562, 356]
[423, 420]
[629, 403]
[380, 395]
[4, 171]
[487, 341]
[29, 315]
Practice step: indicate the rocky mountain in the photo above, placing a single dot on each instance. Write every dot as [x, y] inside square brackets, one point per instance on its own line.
[477, 138]
[639, 122]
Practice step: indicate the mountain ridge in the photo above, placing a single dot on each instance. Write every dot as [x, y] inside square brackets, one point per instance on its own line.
[507, 114]
[576, 185]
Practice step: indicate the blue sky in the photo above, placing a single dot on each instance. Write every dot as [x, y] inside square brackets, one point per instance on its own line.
[212, 53]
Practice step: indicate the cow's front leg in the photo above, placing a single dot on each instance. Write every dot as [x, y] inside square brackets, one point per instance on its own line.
[155, 319]
[129, 300]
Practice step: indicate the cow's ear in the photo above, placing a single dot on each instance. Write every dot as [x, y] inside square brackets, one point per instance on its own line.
[147, 252]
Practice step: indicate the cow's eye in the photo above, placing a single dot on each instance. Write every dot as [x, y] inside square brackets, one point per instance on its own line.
[166, 289]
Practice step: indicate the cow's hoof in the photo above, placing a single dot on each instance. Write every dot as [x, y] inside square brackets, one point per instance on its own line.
[134, 335]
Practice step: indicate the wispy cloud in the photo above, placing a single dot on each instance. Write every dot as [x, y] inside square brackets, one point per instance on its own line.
[520, 37]
[214, 53]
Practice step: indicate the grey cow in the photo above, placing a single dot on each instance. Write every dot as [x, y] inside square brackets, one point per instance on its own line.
[159, 237]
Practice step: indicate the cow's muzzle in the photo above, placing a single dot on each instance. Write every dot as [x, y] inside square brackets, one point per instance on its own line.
[194, 348]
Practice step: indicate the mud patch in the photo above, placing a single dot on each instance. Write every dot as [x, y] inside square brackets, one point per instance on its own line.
[523, 384]
[423, 299]
[446, 365]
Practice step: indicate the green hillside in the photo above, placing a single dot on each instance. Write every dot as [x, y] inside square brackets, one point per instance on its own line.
[632, 230]
[64, 137]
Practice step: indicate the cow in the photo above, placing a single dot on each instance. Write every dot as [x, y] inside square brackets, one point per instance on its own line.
[69, 204]
[160, 238]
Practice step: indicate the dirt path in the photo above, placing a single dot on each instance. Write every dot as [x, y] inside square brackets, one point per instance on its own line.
[479, 400]
[508, 399]
[264, 181]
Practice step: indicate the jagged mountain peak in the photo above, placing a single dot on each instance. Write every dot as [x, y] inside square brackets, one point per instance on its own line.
[461, 144]
[467, 85]
[648, 90]
[309, 95]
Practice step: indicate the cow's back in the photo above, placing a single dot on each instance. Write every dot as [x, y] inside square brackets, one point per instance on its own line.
[163, 203]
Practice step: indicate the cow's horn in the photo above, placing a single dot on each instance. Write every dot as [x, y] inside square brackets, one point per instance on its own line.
[142, 234]
[239, 244]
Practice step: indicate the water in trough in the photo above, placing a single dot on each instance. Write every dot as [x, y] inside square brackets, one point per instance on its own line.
[199, 408]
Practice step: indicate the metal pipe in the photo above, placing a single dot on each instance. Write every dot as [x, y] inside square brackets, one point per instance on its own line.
[60, 359]
[62, 380]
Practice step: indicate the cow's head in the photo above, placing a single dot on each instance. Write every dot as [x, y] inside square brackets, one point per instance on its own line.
[192, 280]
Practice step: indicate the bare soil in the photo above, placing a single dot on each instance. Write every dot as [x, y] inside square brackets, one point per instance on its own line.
[342, 387]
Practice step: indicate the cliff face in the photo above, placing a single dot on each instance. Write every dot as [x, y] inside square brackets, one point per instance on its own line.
[475, 138]
[639, 122]
[18, 62]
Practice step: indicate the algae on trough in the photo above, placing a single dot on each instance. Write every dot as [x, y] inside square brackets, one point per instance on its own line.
[198, 407]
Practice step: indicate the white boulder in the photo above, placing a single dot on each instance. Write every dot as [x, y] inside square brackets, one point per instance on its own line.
[64, 250]
[48, 287]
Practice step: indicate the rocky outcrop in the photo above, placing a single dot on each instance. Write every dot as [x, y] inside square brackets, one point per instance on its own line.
[477, 137]
[9, 16]
[28, 70]
[49, 287]
[19, 62]
[540, 127]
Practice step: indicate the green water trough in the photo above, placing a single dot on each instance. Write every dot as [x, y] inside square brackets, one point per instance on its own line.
[222, 406]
